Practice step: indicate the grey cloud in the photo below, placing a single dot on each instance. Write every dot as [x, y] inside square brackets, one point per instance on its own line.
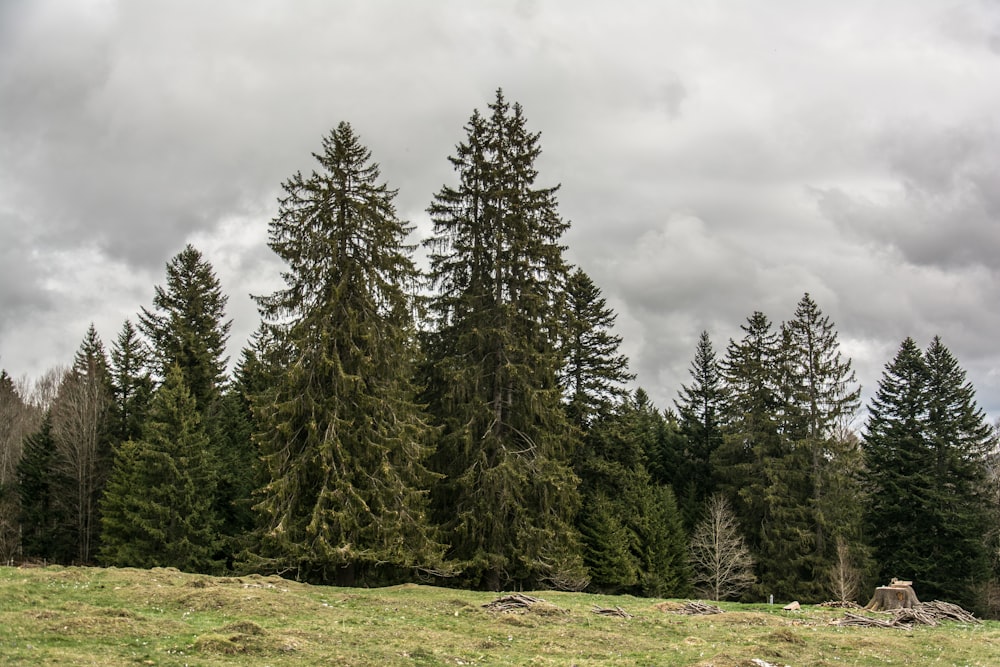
[942, 209]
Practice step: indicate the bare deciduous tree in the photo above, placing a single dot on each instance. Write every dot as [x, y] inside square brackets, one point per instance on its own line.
[79, 417]
[722, 564]
[845, 576]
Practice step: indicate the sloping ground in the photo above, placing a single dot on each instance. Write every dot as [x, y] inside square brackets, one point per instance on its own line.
[89, 616]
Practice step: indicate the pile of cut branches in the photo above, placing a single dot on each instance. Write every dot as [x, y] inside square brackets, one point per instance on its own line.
[840, 604]
[698, 608]
[945, 611]
[515, 602]
[925, 613]
[616, 611]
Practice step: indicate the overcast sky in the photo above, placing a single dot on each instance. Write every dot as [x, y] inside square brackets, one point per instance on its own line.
[716, 158]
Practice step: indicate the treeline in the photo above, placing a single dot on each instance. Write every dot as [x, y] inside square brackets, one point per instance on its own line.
[471, 425]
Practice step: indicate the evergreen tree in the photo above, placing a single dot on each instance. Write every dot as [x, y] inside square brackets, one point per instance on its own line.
[662, 542]
[759, 471]
[187, 326]
[595, 372]
[614, 475]
[131, 384]
[750, 432]
[45, 531]
[820, 396]
[157, 510]
[509, 495]
[342, 438]
[897, 474]
[927, 447]
[240, 472]
[699, 412]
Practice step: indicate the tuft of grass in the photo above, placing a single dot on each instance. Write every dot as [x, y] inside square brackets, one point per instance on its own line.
[87, 616]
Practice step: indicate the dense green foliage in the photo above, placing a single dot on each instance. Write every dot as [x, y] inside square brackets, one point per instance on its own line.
[341, 435]
[157, 511]
[477, 423]
[926, 448]
[509, 496]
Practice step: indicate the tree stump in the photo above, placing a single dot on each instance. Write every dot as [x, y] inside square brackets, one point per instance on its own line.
[896, 596]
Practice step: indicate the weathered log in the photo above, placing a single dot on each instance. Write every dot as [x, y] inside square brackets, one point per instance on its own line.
[892, 597]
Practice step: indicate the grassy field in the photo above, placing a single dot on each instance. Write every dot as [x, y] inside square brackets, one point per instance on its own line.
[90, 616]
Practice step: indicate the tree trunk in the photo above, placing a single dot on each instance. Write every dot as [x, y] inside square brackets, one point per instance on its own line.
[892, 597]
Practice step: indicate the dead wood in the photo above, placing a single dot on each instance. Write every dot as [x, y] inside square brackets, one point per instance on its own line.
[616, 611]
[840, 604]
[698, 608]
[925, 613]
[520, 602]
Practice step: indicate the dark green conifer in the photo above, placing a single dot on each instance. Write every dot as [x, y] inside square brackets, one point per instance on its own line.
[509, 496]
[926, 447]
[821, 397]
[45, 526]
[342, 437]
[699, 412]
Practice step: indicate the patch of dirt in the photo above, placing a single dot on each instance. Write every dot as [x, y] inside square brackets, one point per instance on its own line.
[724, 660]
[244, 627]
[244, 638]
[786, 636]
[223, 645]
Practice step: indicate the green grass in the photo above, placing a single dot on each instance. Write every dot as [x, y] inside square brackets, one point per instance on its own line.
[90, 616]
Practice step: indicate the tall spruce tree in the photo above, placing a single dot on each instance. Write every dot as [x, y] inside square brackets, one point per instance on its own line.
[926, 448]
[821, 396]
[897, 473]
[699, 411]
[187, 327]
[342, 437]
[509, 495]
[157, 509]
[759, 471]
[750, 432]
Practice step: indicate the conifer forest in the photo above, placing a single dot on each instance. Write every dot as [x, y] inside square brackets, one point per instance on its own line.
[470, 420]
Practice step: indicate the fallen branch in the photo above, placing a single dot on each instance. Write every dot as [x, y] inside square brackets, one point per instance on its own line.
[617, 611]
[859, 621]
[948, 611]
